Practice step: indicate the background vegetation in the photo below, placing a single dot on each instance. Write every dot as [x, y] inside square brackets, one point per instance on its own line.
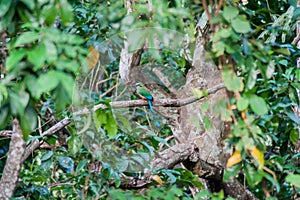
[47, 46]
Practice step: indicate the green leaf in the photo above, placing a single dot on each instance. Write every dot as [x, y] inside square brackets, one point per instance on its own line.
[31, 84]
[293, 117]
[297, 74]
[81, 165]
[37, 56]
[49, 13]
[26, 37]
[67, 81]
[199, 93]
[283, 62]
[232, 171]
[28, 121]
[62, 98]
[219, 48]
[74, 144]
[241, 25]
[230, 13]
[47, 82]
[4, 117]
[117, 179]
[293, 179]
[252, 175]
[66, 12]
[13, 58]
[100, 118]
[6, 19]
[67, 64]
[205, 106]
[220, 108]
[258, 105]
[47, 155]
[207, 123]
[231, 81]
[111, 126]
[294, 136]
[4, 6]
[66, 163]
[51, 51]
[29, 3]
[242, 104]
[18, 102]
[251, 79]
[3, 94]
[105, 119]
[122, 165]
[270, 69]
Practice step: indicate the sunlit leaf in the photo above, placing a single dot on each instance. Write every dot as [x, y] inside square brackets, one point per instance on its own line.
[230, 13]
[294, 136]
[294, 179]
[258, 105]
[157, 179]
[234, 159]
[66, 13]
[92, 57]
[13, 58]
[242, 103]
[26, 37]
[199, 93]
[18, 102]
[258, 156]
[240, 25]
[47, 155]
[270, 69]
[231, 81]
[47, 82]
[253, 176]
[208, 124]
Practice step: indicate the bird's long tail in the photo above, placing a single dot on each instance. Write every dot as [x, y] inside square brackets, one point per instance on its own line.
[150, 105]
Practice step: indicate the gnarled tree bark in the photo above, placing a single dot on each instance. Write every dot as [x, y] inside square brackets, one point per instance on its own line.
[13, 163]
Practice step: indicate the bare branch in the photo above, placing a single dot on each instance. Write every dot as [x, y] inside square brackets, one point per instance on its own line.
[156, 103]
[36, 143]
[6, 133]
[13, 163]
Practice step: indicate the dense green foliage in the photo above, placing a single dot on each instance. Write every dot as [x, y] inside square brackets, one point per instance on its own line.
[47, 47]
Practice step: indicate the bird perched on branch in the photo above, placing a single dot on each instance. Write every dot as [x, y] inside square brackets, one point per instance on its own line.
[144, 93]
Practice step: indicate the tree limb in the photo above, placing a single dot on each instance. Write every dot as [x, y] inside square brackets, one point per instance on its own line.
[36, 143]
[13, 163]
[156, 103]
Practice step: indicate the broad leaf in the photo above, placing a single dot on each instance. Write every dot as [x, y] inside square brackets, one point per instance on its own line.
[258, 105]
[231, 81]
[234, 159]
[258, 156]
[4, 6]
[293, 179]
[240, 25]
[242, 104]
[13, 58]
[230, 13]
[26, 38]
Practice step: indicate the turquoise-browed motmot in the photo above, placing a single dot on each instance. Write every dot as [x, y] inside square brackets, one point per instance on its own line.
[144, 93]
